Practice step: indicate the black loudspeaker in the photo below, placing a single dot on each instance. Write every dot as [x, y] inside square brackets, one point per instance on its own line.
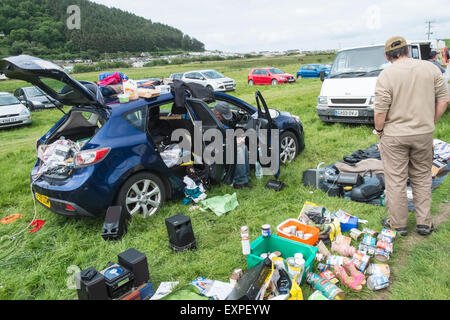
[136, 262]
[115, 225]
[181, 235]
[91, 285]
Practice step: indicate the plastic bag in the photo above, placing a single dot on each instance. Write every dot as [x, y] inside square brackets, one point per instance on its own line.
[55, 157]
[171, 155]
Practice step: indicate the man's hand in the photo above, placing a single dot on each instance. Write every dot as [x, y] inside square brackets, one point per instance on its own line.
[379, 134]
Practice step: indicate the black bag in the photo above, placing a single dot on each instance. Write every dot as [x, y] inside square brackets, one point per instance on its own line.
[371, 189]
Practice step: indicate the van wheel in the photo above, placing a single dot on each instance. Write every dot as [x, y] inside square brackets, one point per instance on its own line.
[142, 193]
[274, 82]
[289, 148]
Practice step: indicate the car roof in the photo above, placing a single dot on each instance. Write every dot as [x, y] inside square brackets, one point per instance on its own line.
[382, 44]
[5, 93]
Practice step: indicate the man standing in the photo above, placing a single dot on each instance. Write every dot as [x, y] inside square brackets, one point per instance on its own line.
[410, 97]
[433, 60]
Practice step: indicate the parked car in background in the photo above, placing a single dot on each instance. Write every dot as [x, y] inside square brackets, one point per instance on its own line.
[12, 111]
[211, 79]
[120, 161]
[34, 98]
[312, 71]
[271, 76]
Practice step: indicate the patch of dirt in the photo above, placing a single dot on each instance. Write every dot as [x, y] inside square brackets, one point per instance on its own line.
[411, 240]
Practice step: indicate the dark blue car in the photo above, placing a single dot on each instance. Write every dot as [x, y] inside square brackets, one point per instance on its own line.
[312, 71]
[120, 162]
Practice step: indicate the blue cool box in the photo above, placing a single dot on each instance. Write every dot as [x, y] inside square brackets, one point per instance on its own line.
[352, 223]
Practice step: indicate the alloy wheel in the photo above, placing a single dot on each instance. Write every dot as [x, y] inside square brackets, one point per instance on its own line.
[143, 196]
[288, 149]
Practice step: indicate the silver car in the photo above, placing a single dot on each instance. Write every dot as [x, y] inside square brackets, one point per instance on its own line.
[12, 111]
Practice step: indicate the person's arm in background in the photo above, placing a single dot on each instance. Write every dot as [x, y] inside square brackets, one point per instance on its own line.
[383, 100]
[442, 96]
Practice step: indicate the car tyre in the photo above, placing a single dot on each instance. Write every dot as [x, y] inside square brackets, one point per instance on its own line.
[143, 193]
[209, 88]
[274, 82]
[299, 76]
[289, 147]
[251, 82]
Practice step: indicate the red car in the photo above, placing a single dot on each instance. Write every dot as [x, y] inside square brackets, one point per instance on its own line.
[271, 76]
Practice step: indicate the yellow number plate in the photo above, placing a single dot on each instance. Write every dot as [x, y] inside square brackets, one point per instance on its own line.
[43, 199]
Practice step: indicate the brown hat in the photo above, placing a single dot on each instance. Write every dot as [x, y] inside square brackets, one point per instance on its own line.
[395, 43]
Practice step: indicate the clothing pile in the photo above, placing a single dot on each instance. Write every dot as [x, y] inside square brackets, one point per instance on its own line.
[58, 157]
[193, 192]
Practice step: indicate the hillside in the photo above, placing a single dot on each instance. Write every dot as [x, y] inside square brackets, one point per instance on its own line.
[39, 27]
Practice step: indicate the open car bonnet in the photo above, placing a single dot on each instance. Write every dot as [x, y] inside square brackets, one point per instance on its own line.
[51, 79]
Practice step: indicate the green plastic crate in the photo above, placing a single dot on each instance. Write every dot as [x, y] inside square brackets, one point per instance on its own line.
[288, 248]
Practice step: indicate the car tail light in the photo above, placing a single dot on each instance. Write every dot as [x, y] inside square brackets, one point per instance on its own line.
[69, 207]
[90, 157]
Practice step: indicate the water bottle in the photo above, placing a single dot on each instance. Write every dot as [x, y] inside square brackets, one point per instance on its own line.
[298, 258]
[245, 241]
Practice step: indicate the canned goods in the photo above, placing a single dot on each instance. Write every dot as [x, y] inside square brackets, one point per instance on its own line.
[377, 281]
[389, 233]
[266, 230]
[369, 250]
[361, 260]
[370, 232]
[375, 268]
[385, 245]
[355, 233]
[335, 260]
[369, 241]
[321, 267]
[317, 295]
[329, 290]
[381, 255]
[385, 238]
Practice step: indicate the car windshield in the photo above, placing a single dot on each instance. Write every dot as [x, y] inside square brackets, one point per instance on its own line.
[7, 100]
[359, 62]
[33, 92]
[213, 75]
[276, 71]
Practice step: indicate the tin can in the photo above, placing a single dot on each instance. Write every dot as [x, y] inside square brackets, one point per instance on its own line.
[389, 233]
[375, 268]
[381, 255]
[377, 281]
[335, 260]
[386, 246]
[293, 268]
[369, 241]
[317, 295]
[312, 278]
[329, 290]
[369, 250]
[355, 233]
[266, 230]
[370, 232]
[321, 267]
[327, 274]
[361, 260]
[385, 238]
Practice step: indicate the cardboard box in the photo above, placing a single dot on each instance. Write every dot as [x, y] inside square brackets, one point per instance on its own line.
[148, 93]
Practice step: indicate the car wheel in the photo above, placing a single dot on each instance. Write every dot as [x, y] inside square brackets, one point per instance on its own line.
[142, 193]
[299, 76]
[209, 88]
[274, 82]
[289, 147]
[251, 83]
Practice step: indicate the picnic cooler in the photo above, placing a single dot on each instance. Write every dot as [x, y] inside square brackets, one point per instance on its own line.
[288, 248]
[300, 227]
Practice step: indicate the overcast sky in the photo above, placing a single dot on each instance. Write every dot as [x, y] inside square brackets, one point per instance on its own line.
[255, 25]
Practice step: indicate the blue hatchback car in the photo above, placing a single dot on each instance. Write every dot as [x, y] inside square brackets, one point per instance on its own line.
[312, 71]
[120, 162]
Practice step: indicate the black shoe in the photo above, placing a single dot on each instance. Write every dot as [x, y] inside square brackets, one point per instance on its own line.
[424, 230]
[401, 231]
[242, 186]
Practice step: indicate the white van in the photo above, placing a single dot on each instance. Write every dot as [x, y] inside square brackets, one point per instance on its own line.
[348, 93]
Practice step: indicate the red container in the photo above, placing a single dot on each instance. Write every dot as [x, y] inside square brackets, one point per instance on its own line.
[300, 227]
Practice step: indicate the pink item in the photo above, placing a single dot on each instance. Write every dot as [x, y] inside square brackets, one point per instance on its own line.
[355, 280]
[343, 249]
[113, 79]
[37, 224]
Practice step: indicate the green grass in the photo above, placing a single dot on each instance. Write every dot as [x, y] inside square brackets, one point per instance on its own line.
[37, 264]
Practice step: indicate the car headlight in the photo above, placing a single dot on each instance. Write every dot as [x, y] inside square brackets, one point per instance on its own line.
[322, 100]
[372, 100]
[24, 112]
[283, 78]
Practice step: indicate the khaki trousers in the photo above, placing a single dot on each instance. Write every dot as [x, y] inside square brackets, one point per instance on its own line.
[404, 157]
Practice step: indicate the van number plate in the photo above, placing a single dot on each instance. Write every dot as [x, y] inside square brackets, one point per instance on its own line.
[346, 113]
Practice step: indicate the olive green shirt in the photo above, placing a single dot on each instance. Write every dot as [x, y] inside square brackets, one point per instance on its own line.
[407, 91]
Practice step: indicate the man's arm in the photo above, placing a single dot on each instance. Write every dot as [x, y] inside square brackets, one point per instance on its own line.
[441, 107]
[379, 119]
[383, 100]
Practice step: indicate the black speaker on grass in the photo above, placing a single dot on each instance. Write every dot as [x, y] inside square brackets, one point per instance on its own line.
[181, 235]
[136, 262]
[91, 285]
[115, 225]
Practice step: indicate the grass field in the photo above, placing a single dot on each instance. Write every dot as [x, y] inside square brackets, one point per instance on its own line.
[38, 265]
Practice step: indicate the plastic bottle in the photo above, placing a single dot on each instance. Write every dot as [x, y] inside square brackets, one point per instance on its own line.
[300, 262]
[245, 241]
